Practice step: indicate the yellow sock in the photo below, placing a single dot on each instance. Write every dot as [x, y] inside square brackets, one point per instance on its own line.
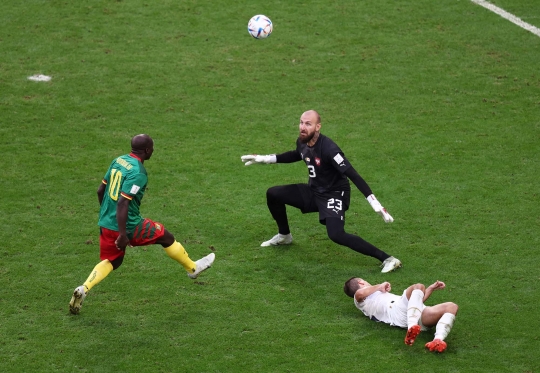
[100, 271]
[178, 253]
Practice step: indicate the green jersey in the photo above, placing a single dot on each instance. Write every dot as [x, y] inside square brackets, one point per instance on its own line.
[126, 177]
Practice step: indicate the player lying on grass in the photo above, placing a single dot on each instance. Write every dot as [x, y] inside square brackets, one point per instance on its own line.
[328, 191]
[406, 311]
[121, 223]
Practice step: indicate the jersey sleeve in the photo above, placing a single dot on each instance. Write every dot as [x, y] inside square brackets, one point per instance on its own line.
[337, 158]
[288, 157]
[358, 181]
[107, 176]
[133, 185]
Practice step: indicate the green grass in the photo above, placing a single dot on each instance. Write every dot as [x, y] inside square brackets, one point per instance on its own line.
[435, 103]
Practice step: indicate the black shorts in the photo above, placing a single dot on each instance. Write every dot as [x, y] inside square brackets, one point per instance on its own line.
[329, 204]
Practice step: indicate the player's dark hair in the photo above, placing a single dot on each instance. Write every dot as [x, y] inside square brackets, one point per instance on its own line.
[351, 286]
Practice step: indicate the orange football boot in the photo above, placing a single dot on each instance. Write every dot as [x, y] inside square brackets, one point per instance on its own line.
[436, 345]
[412, 333]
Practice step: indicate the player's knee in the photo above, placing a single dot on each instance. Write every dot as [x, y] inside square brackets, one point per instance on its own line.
[117, 262]
[167, 239]
[452, 308]
[272, 194]
[421, 287]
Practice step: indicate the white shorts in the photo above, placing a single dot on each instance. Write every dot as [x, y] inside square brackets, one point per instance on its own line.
[399, 313]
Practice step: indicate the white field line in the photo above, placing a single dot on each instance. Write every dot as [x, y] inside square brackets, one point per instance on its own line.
[512, 18]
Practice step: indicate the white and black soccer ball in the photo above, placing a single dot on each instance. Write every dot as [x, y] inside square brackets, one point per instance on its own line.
[260, 27]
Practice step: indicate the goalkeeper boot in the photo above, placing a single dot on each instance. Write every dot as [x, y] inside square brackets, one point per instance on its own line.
[77, 299]
[412, 333]
[202, 264]
[436, 345]
[278, 239]
[390, 264]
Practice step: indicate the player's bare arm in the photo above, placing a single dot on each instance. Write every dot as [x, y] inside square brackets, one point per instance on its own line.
[437, 285]
[366, 291]
[101, 192]
[121, 217]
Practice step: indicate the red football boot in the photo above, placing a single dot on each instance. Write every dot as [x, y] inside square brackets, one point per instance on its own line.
[436, 345]
[412, 333]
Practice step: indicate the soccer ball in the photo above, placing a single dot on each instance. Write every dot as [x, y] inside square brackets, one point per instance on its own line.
[260, 27]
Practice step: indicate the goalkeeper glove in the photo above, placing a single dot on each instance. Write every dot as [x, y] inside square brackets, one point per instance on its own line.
[252, 159]
[379, 209]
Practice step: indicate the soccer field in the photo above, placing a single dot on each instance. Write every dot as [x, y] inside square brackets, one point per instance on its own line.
[435, 103]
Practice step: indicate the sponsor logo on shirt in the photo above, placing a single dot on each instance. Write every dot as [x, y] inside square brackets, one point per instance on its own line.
[135, 189]
[318, 161]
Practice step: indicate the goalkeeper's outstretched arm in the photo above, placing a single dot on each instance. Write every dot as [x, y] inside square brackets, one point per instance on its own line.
[358, 181]
[287, 157]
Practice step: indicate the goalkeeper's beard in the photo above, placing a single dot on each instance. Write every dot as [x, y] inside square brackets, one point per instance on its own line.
[306, 138]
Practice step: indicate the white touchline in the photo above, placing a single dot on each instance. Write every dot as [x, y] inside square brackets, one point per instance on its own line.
[512, 18]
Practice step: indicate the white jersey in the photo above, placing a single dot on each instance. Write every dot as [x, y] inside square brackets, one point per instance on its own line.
[385, 307]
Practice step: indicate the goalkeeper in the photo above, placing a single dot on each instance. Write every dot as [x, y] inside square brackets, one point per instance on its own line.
[327, 191]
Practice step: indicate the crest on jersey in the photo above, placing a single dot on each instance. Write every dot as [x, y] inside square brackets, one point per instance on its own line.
[318, 161]
[307, 159]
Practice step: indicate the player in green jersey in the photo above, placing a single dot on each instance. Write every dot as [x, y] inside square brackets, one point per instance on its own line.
[121, 223]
